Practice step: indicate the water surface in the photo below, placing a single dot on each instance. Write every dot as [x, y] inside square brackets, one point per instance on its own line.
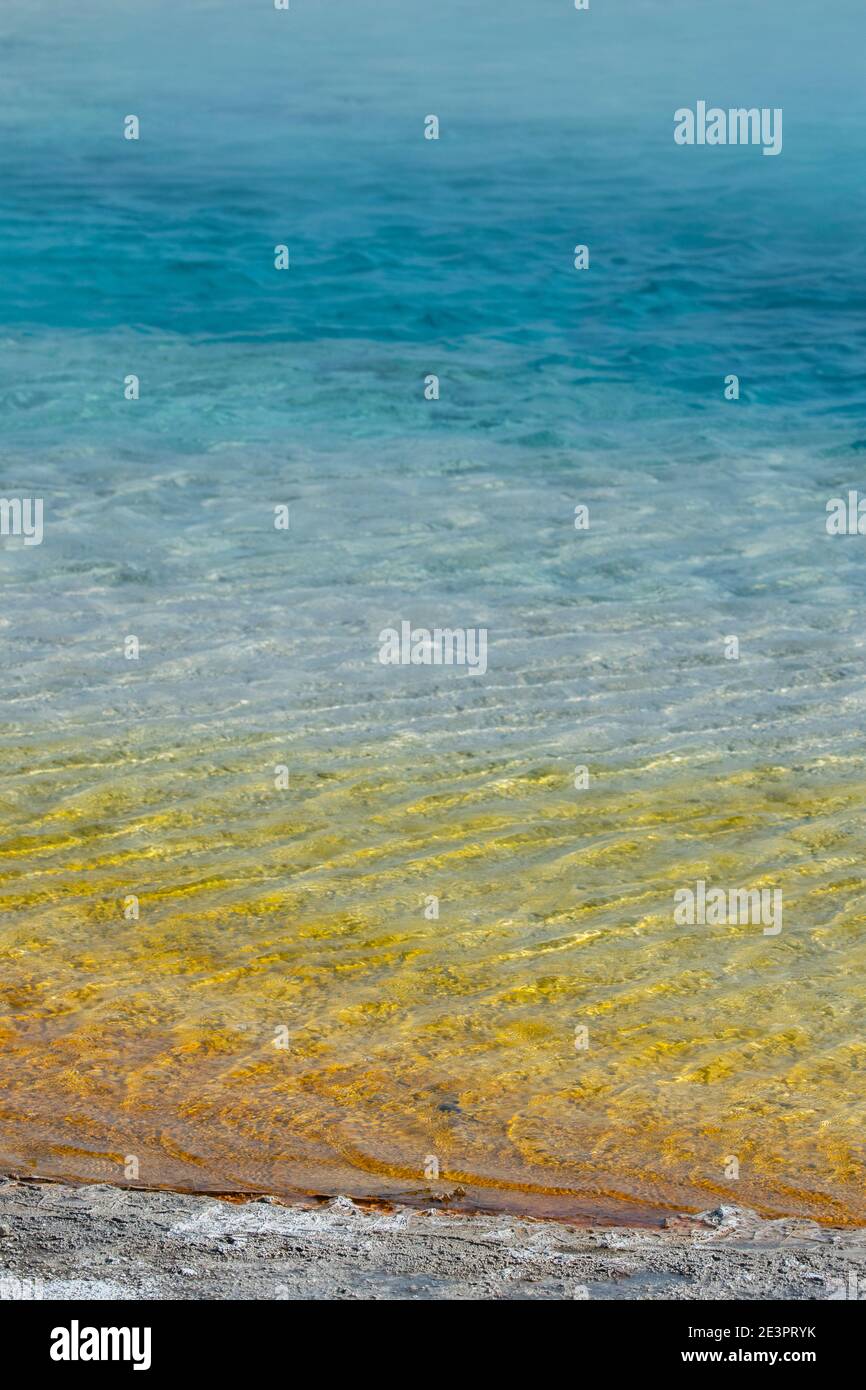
[296, 917]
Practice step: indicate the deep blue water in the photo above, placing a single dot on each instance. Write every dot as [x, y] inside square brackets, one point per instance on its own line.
[306, 128]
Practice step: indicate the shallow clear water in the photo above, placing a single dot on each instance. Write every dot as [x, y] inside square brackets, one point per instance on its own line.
[298, 915]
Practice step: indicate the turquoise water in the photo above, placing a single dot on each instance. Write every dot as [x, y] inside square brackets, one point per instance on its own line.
[305, 388]
[409, 257]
